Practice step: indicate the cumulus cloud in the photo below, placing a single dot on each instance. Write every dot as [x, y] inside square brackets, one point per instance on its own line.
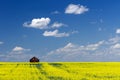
[94, 46]
[76, 9]
[113, 40]
[18, 50]
[116, 46]
[43, 23]
[55, 33]
[118, 31]
[39, 23]
[70, 47]
[106, 50]
[73, 52]
[16, 54]
[57, 25]
[90, 47]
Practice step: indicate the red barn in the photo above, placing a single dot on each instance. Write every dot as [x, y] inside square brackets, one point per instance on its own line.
[34, 59]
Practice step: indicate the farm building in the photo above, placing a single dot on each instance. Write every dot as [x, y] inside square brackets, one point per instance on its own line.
[34, 59]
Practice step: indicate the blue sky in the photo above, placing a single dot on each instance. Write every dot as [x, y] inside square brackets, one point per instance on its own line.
[60, 30]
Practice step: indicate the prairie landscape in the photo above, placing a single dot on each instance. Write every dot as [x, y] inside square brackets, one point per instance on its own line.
[60, 71]
[59, 39]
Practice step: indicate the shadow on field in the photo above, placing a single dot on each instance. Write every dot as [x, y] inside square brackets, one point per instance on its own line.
[56, 64]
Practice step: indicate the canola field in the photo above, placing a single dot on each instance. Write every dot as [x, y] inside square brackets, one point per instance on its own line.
[60, 71]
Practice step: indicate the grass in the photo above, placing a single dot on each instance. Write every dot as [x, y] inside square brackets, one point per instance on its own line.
[60, 71]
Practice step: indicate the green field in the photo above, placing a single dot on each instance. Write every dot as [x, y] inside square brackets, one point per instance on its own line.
[60, 71]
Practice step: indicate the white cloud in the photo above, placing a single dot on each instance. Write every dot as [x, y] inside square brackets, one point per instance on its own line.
[55, 33]
[1, 42]
[94, 46]
[43, 23]
[39, 23]
[18, 50]
[73, 52]
[113, 40]
[57, 25]
[116, 46]
[108, 50]
[118, 31]
[76, 9]
[69, 45]
[72, 47]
